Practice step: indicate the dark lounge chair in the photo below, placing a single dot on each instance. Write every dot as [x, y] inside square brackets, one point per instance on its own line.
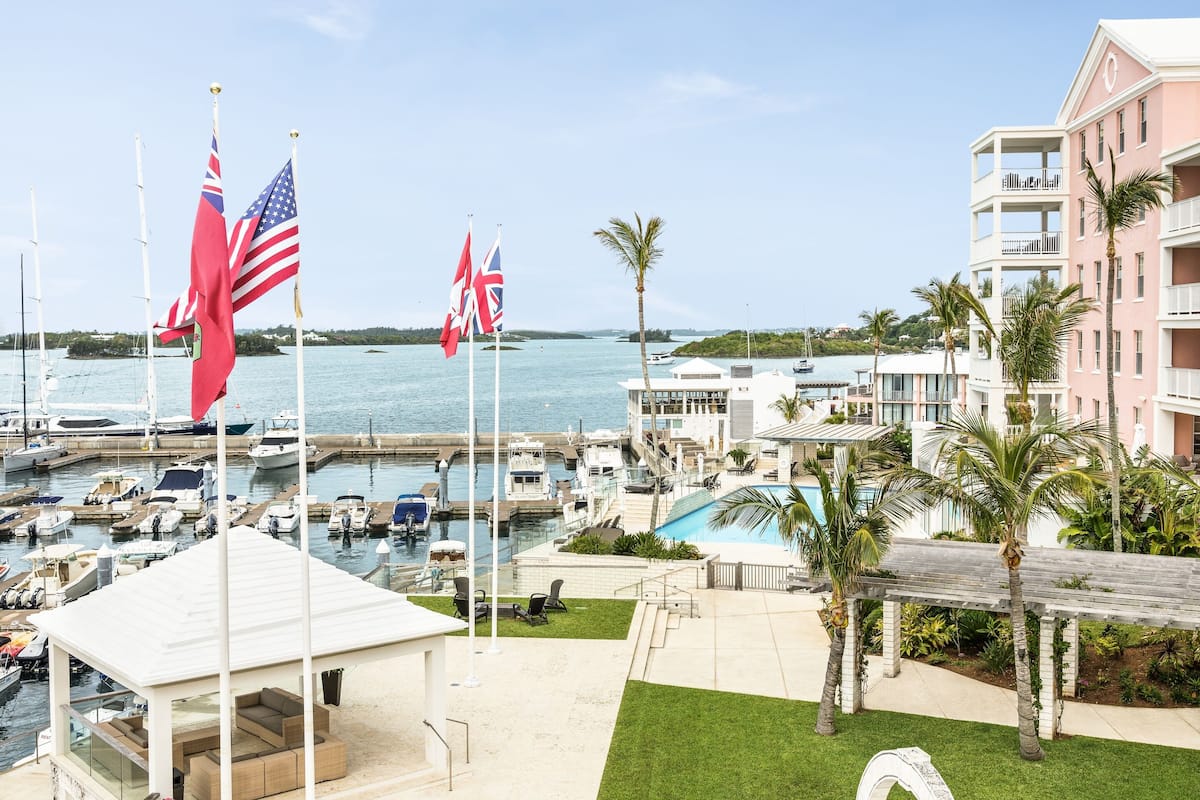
[462, 608]
[553, 603]
[536, 613]
[747, 467]
[462, 583]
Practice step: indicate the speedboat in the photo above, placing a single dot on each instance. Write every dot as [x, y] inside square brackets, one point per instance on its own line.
[34, 452]
[445, 558]
[10, 670]
[410, 516]
[659, 359]
[3, 568]
[280, 518]
[527, 477]
[349, 512]
[235, 509]
[163, 517]
[141, 553]
[280, 445]
[59, 573]
[188, 486]
[112, 486]
[51, 518]
[601, 461]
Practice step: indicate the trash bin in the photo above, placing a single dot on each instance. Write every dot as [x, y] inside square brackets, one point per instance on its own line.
[177, 784]
[331, 686]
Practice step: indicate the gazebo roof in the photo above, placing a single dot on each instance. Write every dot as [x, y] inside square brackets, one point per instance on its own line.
[823, 432]
[159, 625]
[1161, 591]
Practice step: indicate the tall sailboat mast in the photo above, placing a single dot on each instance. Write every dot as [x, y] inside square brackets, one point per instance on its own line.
[24, 398]
[151, 382]
[43, 363]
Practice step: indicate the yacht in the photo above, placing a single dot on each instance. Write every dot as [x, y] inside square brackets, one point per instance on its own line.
[349, 512]
[51, 518]
[280, 518]
[141, 553]
[527, 477]
[410, 516]
[59, 573]
[660, 359]
[113, 486]
[35, 451]
[805, 364]
[280, 445]
[187, 486]
[601, 461]
[163, 517]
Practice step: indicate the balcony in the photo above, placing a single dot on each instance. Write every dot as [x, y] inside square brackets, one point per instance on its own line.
[1036, 243]
[1032, 179]
[896, 395]
[1181, 217]
[1181, 383]
[1183, 299]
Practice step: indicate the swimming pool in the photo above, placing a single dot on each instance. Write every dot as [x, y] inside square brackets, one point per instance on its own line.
[694, 527]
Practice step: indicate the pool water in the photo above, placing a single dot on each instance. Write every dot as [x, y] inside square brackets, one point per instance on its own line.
[695, 528]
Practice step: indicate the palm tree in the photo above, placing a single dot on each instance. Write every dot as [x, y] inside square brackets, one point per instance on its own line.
[1001, 483]
[1036, 328]
[878, 323]
[637, 250]
[1119, 205]
[847, 535]
[789, 406]
[951, 303]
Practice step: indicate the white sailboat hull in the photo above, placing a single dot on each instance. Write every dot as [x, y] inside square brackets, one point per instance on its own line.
[29, 457]
[278, 456]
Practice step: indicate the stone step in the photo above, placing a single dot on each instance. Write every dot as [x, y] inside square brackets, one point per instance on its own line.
[641, 648]
[672, 620]
[658, 637]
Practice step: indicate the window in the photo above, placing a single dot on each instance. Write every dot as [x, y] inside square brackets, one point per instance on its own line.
[1119, 281]
[1140, 260]
[1142, 214]
[1137, 415]
[1095, 409]
[1099, 141]
[1083, 143]
[1078, 349]
[1120, 131]
[1098, 295]
[1116, 352]
[1142, 121]
[1079, 407]
[1082, 217]
[1096, 350]
[1137, 353]
[1079, 280]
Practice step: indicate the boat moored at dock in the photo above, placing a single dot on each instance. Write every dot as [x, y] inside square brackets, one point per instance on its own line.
[350, 513]
[410, 516]
[527, 477]
[280, 446]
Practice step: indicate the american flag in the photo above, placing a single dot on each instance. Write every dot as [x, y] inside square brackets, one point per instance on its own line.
[487, 291]
[264, 251]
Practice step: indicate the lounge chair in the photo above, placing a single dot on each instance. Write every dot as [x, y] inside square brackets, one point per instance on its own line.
[552, 602]
[747, 467]
[462, 584]
[462, 608]
[536, 613]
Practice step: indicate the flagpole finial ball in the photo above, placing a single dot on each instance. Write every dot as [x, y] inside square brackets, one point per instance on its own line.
[295, 134]
[215, 88]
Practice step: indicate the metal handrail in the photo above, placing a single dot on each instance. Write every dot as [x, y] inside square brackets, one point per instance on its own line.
[449, 752]
[37, 752]
[466, 725]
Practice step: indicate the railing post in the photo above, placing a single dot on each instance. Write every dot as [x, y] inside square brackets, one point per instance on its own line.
[737, 576]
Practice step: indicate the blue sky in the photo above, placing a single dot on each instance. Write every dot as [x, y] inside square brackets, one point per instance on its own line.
[810, 160]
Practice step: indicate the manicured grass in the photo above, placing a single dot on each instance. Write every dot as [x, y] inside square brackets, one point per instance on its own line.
[587, 618]
[672, 743]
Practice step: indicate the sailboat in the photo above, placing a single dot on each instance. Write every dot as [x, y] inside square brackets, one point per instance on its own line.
[805, 363]
[40, 449]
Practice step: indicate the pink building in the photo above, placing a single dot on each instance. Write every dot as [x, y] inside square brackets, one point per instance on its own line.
[1135, 102]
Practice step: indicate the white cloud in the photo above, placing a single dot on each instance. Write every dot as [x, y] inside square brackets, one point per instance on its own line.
[700, 85]
[699, 88]
[343, 20]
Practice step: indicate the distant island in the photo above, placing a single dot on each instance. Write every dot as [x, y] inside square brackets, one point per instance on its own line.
[502, 347]
[652, 335]
[775, 345]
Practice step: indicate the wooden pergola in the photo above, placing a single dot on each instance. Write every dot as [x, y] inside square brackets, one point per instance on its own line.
[1058, 584]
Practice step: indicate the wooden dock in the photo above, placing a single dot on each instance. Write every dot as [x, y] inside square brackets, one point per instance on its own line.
[67, 460]
[18, 497]
[28, 515]
[254, 514]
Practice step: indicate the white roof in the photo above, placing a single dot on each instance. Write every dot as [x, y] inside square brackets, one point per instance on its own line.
[1160, 42]
[159, 626]
[696, 366]
[823, 432]
[923, 364]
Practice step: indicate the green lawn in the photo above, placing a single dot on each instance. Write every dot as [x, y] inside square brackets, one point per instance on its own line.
[672, 743]
[587, 618]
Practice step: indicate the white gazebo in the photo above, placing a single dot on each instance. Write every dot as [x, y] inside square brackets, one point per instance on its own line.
[156, 633]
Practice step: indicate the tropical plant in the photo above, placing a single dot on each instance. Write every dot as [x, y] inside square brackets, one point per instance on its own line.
[1000, 483]
[878, 323]
[847, 534]
[738, 456]
[636, 248]
[1118, 206]
[951, 303]
[789, 407]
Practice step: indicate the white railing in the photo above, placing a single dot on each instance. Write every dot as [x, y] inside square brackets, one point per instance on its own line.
[1181, 216]
[896, 395]
[1032, 179]
[1184, 383]
[1010, 304]
[1054, 377]
[1183, 299]
[1031, 243]
[938, 398]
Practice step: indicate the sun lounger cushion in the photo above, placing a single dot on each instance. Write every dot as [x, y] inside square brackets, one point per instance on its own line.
[271, 699]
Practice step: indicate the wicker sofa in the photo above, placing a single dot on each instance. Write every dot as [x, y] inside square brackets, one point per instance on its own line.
[130, 733]
[268, 772]
[277, 716]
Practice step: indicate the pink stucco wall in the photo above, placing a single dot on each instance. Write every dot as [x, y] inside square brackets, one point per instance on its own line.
[1184, 442]
[1185, 265]
[1185, 348]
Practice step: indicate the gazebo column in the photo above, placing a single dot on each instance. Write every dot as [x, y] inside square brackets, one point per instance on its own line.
[1071, 658]
[158, 725]
[435, 703]
[1047, 718]
[891, 638]
[785, 462]
[60, 695]
[851, 685]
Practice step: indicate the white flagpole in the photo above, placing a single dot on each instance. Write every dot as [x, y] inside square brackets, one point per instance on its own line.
[306, 671]
[224, 684]
[43, 364]
[472, 680]
[151, 381]
[495, 648]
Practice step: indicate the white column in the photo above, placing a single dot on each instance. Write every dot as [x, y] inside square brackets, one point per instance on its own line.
[435, 703]
[60, 694]
[785, 463]
[891, 638]
[158, 724]
[1071, 659]
[851, 688]
[1048, 717]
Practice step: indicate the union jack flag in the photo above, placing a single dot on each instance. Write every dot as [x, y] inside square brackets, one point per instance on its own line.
[264, 251]
[487, 290]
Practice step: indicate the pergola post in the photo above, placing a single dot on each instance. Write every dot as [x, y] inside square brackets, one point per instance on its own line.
[158, 724]
[851, 685]
[60, 695]
[891, 638]
[1047, 718]
[1071, 658]
[785, 462]
[435, 703]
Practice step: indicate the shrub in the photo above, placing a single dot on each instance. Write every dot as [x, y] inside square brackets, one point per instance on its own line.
[624, 545]
[938, 658]
[684, 551]
[922, 632]
[1148, 693]
[1128, 686]
[588, 545]
[997, 656]
[648, 545]
[1185, 695]
[975, 627]
[1107, 646]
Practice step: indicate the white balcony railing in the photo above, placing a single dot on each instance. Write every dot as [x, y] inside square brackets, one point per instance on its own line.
[1182, 383]
[1183, 299]
[1182, 216]
[1032, 179]
[1035, 243]
[896, 395]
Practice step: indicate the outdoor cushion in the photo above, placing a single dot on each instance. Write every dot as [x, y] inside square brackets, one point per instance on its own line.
[317, 739]
[258, 713]
[271, 699]
[293, 708]
[121, 725]
[141, 737]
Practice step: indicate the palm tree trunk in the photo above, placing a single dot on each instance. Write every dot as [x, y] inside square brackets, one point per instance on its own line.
[947, 356]
[875, 387]
[833, 677]
[951, 380]
[1114, 446]
[1030, 747]
[653, 408]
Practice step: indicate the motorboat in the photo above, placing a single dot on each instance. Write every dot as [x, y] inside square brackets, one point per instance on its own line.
[9, 514]
[601, 460]
[410, 516]
[10, 670]
[162, 517]
[4, 567]
[59, 573]
[206, 524]
[349, 513]
[445, 558]
[655, 359]
[34, 658]
[35, 451]
[280, 445]
[141, 553]
[527, 477]
[113, 486]
[188, 486]
[51, 518]
[280, 518]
